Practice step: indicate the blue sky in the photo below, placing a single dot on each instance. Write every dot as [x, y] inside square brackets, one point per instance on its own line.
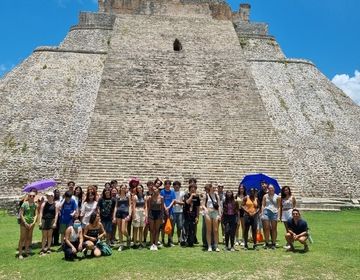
[324, 31]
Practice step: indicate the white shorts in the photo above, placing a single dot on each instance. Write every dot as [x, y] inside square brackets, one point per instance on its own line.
[139, 219]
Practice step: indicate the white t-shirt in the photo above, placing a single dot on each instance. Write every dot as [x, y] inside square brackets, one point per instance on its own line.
[86, 209]
[179, 197]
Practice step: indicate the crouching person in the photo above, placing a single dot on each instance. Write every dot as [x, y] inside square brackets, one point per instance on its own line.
[73, 240]
[93, 233]
[297, 231]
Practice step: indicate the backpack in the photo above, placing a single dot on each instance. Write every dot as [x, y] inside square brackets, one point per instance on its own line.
[104, 248]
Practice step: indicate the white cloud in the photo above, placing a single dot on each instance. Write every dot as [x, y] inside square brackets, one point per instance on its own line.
[350, 85]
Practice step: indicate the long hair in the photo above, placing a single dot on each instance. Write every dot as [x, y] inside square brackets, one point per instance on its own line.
[283, 195]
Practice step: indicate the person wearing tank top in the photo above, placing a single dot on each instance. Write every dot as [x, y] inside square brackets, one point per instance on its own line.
[48, 220]
[241, 194]
[73, 240]
[138, 220]
[250, 205]
[270, 209]
[229, 218]
[148, 194]
[93, 232]
[122, 215]
[213, 211]
[155, 209]
[288, 203]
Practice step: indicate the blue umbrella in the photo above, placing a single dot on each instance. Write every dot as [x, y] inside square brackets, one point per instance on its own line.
[40, 185]
[254, 181]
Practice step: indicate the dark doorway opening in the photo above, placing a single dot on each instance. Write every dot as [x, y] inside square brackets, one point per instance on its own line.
[177, 45]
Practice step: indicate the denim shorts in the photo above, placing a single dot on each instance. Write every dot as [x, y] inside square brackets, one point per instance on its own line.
[269, 215]
[213, 214]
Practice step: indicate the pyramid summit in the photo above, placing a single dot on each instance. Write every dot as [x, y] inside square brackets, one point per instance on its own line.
[175, 89]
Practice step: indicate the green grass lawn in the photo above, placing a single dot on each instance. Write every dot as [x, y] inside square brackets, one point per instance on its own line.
[335, 254]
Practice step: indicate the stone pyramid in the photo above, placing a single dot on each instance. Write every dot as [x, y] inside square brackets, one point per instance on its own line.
[175, 89]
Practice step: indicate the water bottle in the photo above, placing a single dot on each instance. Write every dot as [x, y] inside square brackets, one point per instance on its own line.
[310, 238]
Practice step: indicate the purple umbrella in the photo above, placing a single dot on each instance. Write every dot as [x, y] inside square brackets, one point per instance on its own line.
[40, 185]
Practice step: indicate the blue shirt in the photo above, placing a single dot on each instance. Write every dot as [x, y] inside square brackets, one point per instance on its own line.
[66, 209]
[169, 196]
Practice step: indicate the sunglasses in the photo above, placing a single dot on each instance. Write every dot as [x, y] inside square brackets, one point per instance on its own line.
[32, 196]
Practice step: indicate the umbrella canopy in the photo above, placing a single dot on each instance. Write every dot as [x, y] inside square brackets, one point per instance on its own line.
[40, 185]
[254, 181]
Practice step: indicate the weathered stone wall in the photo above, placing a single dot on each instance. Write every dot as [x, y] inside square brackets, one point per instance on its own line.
[45, 106]
[317, 124]
[178, 114]
[260, 47]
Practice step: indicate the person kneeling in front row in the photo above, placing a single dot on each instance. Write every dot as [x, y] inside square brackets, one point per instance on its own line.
[297, 231]
[73, 240]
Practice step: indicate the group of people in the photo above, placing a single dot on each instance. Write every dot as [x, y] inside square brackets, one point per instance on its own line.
[88, 221]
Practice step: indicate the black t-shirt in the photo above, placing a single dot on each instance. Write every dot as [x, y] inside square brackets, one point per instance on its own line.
[106, 207]
[192, 208]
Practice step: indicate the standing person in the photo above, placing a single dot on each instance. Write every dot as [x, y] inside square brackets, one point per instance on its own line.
[169, 201]
[78, 196]
[260, 195]
[106, 206]
[71, 186]
[114, 195]
[178, 209]
[191, 214]
[150, 185]
[68, 211]
[138, 219]
[134, 182]
[203, 230]
[122, 214]
[288, 203]
[93, 232]
[221, 194]
[28, 217]
[213, 213]
[297, 231]
[270, 209]
[241, 194]
[48, 220]
[56, 232]
[155, 212]
[73, 241]
[229, 218]
[88, 207]
[251, 207]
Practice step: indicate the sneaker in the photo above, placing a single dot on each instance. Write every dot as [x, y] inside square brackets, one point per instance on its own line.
[236, 243]
[232, 249]
[287, 246]
[155, 248]
[291, 249]
[48, 251]
[306, 248]
[120, 248]
[242, 243]
[42, 253]
[273, 247]
[266, 246]
[21, 257]
[84, 251]
[209, 249]
[217, 249]
[255, 247]
[246, 247]
[170, 244]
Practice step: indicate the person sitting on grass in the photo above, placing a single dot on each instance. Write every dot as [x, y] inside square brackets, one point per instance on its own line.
[297, 231]
[28, 217]
[73, 240]
[93, 233]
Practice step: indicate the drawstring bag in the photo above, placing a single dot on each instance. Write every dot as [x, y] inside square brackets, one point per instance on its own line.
[259, 236]
[168, 227]
[104, 248]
